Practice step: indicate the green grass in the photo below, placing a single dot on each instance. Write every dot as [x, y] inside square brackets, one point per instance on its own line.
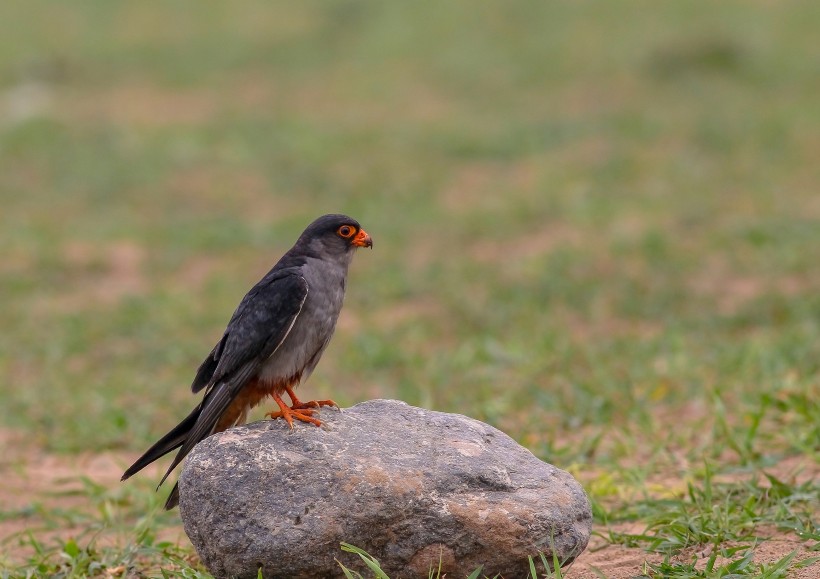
[596, 227]
[716, 513]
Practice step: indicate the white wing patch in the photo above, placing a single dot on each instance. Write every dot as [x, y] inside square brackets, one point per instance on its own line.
[293, 321]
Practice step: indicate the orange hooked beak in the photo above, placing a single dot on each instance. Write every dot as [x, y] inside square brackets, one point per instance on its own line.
[362, 239]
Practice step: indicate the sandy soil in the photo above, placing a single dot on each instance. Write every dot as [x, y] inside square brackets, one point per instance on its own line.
[619, 562]
[34, 485]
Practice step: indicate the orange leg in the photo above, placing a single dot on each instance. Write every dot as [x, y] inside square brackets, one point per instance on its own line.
[299, 405]
[303, 414]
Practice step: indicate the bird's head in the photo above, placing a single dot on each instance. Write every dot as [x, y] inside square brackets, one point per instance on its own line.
[334, 236]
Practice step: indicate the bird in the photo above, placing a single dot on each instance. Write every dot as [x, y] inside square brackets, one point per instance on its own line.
[273, 341]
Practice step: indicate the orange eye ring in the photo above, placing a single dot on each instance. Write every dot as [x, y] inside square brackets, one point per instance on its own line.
[346, 231]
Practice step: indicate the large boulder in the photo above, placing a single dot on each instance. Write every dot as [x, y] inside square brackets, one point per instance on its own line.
[414, 488]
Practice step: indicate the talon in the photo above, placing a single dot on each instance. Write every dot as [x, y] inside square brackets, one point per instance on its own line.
[289, 413]
[299, 405]
[274, 414]
[313, 404]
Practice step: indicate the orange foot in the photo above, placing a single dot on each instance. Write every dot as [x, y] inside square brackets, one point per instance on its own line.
[299, 405]
[300, 412]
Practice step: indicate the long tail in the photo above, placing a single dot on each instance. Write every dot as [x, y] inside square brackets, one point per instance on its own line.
[173, 498]
[196, 426]
[171, 441]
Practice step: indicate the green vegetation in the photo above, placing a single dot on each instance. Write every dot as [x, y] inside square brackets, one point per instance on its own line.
[596, 226]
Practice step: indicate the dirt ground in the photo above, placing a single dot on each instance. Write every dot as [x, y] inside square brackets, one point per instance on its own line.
[34, 485]
[618, 562]
[48, 495]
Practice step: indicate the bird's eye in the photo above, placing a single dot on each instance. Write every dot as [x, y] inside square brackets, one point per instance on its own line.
[345, 231]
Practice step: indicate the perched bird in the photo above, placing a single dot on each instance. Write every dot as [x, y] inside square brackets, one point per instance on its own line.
[273, 341]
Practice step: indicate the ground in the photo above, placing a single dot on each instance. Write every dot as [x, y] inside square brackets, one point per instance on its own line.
[596, 227]
[68, 489]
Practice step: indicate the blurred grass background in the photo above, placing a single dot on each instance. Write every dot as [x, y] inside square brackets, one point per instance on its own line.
[596, 225]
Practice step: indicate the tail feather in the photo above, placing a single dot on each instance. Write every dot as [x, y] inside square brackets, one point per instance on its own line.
[216, 402]
[171, 441]
[173, 498]
[196, 426]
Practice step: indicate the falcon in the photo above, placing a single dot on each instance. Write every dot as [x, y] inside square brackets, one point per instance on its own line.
[273, 341]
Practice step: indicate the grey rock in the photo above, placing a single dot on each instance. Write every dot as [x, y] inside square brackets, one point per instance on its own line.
[412, 487]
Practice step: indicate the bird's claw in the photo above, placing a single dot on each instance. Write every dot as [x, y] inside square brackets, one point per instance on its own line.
[299, 411]
[301, 414]
[299, 405]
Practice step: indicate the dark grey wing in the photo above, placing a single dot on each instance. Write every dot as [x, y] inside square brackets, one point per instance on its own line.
[252, 336]
[206, 370]
[206, 373]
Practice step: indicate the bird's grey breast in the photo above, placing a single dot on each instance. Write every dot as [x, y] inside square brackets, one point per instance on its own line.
[313, 327]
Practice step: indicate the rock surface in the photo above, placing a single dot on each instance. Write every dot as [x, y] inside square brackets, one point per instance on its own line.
[412, 487]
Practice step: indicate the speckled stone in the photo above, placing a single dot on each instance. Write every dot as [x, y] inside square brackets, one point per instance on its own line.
[414, 488]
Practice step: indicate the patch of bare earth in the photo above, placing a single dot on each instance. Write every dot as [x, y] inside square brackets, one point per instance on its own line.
[47, 495]
[528, 244]
[621, 562]
[671, 468]
[388, 319]
[99, 275]
[232, 191]
[485, 186]
[584, 330]
[143, 105]
[614, 561]
[732, 292]
[139, 103]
